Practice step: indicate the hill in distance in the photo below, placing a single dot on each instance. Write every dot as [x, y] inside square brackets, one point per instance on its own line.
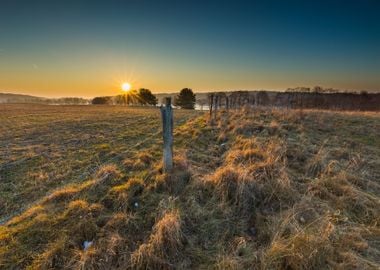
[20, 98]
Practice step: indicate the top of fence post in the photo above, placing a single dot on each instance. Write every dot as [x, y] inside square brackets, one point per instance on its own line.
[168, 101]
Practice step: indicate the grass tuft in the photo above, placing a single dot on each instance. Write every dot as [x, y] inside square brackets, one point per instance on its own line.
[164, 245]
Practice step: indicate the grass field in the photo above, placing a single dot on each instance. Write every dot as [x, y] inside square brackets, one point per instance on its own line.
[45, 147]
[259, 189]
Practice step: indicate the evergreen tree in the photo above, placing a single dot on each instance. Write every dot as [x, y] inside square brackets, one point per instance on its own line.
[185, 99]
[146, 97]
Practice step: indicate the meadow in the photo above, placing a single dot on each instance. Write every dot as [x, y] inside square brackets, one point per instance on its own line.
[82, 187]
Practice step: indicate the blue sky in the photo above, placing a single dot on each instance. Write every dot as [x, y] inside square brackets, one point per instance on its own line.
[88, 48]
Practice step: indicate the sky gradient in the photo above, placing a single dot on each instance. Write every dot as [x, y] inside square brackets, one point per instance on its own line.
[88, 48]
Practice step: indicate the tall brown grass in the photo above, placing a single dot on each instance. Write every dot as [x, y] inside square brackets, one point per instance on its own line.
[259, 189]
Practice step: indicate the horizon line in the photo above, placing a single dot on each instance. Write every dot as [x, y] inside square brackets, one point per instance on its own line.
[200, 91]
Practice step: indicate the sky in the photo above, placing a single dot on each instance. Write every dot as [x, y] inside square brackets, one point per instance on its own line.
[89, 48]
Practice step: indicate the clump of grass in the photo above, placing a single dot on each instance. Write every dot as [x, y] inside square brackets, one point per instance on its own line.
[28, 214]
[264, 164]
[249, 156]
[107, 173]
[164, 245]
[273, 127]
[31, 234]
[318, 163]
[175, 181]
[233, 184]
[238, 254]
[54, 255]
[222, 138]
[361, 207]
[180, 162]
[142, 161]
[227, 262]
[79, 207]
[133, 186]
[302, 250]
[123, 197]
[302, 237]
[69, 192]
[248, 128]
[113, 244]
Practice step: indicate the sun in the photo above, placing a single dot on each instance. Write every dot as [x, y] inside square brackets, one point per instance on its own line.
[126, 86]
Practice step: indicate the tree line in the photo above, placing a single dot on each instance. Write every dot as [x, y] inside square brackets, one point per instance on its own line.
[144, 97]
[320, 89]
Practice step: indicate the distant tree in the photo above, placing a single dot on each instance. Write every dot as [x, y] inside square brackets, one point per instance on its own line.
[299, 89]
[120, 100]
[317, 89]
[132, 98]
[262, 98]
[146, 97]
[101, 100]
[185, 99]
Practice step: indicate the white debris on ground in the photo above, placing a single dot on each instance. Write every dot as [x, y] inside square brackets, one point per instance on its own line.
[87, 244]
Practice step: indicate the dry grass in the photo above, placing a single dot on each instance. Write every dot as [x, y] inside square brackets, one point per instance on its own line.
[259, 189]
[162, 248]
[43, 148]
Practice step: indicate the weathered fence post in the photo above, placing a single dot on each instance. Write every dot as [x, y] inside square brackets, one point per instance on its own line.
[167, 134]
[210, 103]
[216, 105]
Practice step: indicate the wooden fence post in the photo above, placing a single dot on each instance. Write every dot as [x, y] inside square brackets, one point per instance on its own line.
[167, 134]
[210, 102]
[216, 105]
